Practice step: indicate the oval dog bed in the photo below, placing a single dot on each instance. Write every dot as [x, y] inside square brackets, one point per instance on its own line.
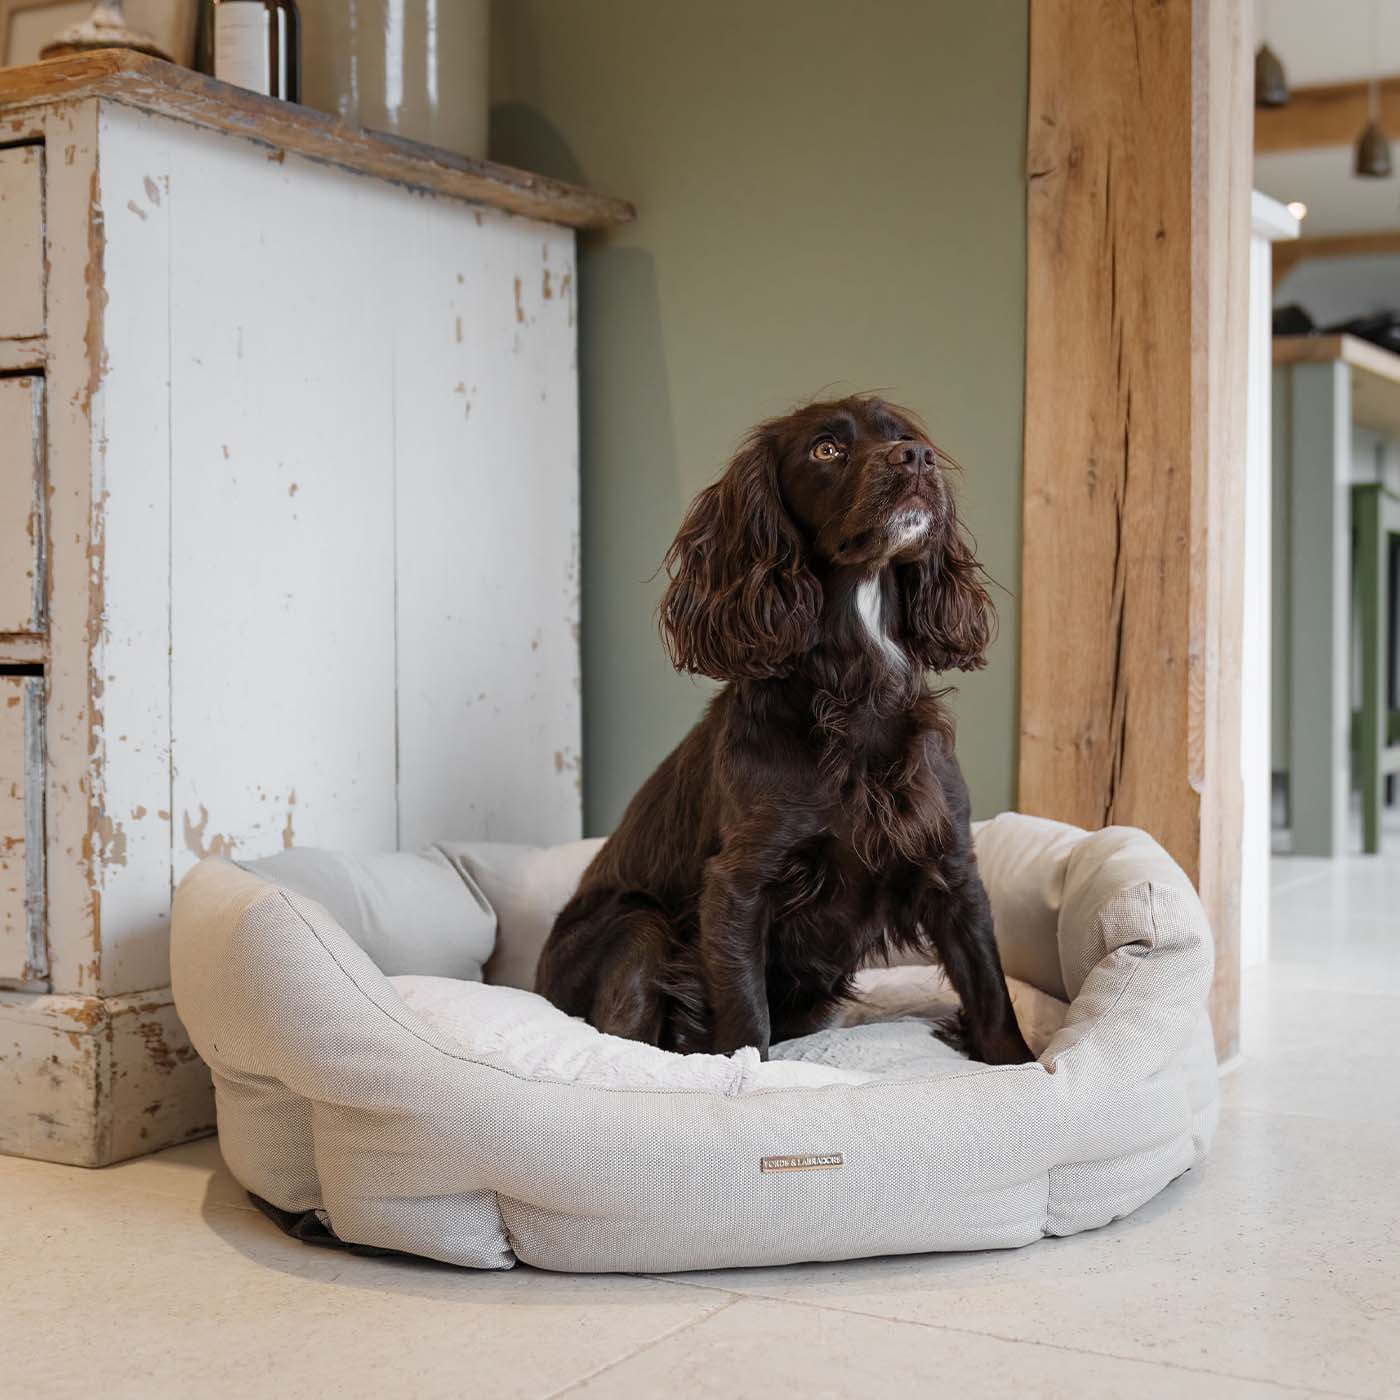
[373, 1089]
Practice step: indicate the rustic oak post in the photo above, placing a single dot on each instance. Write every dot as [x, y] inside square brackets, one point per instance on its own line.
[1138, 161]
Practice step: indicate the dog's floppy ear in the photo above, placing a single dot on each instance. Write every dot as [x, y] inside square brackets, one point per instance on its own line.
[948, 619]
[741, 602]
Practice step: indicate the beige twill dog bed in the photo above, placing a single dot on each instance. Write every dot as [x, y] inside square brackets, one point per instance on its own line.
[364, 1074]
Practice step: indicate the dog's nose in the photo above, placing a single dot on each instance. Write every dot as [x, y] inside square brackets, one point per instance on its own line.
[912, 456]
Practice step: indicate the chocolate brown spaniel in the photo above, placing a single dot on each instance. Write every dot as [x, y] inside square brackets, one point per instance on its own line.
[815, 819]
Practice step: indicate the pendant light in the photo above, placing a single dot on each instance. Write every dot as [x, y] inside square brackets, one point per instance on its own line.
[1270, 83]
[1372, 153]
[1372, 148]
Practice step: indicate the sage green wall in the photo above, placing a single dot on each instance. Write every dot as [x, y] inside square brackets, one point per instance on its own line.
[830, 198]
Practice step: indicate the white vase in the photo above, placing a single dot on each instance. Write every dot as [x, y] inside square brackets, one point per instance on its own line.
[417, 68]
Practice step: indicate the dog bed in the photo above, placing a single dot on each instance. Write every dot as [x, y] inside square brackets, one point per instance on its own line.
[384, 1078]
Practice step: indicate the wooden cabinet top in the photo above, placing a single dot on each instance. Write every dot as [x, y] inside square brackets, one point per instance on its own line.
[135, 80]
[1375, 374]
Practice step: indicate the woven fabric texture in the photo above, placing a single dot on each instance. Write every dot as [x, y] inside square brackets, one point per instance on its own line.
[332, 1094]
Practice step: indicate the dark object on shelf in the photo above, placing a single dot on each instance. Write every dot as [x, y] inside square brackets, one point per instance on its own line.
[1380, 328]
[1270, 84]
[1293, 320]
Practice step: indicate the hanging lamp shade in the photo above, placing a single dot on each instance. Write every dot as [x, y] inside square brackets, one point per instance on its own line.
[1270, 84]
[1372, 153]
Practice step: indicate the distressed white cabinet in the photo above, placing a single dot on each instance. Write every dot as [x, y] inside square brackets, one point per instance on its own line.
[288, 548]
[22, 238]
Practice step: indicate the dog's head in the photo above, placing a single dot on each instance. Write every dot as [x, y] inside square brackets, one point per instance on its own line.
[853, 486]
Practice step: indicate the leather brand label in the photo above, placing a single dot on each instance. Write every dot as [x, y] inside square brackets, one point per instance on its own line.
[806, 1162]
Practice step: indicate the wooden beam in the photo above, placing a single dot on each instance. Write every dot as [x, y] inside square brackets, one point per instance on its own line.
[1222, 178]
[1288, 254]
[1137, 284]
[1333, 114]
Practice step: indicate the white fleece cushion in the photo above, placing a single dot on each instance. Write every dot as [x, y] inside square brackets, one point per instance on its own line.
[520, 1031]
[884, 1033]
[923, 991]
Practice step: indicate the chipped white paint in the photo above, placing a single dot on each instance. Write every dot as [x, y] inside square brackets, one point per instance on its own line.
[73, 780]
[22, 537]
[312, 557]
[23, 952]
[486, 447]
[131, 472]
[22, 239]
[91, 1080]
[282, 498]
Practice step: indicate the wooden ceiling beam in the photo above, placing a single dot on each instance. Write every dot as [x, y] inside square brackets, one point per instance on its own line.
[1287, 255]
[1332, 114]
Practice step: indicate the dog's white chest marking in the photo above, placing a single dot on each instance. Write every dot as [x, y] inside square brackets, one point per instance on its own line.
[870, 607]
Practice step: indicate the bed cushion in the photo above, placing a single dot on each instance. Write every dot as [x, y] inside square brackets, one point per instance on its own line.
[464, 1142]
[526, 887]
[410, 912]
[899, 1023]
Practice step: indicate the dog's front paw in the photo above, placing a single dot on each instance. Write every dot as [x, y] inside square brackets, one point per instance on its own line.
[1009, 1048]
[953, 1032]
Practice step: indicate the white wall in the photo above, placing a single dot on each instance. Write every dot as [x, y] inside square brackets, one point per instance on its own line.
[1270, 221]
[1329, 41]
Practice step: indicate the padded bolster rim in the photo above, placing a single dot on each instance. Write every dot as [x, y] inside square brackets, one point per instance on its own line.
[246, 895]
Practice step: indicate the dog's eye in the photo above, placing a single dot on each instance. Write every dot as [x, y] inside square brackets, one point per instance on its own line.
[826, 451]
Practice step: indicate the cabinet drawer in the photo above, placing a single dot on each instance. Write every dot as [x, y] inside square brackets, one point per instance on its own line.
[21, 242]
[23, 945]
[22, 590]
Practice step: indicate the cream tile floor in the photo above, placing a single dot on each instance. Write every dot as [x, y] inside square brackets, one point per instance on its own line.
[1274, 1270]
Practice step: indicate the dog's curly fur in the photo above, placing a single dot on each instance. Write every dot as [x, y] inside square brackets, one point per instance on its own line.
[816, 818]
